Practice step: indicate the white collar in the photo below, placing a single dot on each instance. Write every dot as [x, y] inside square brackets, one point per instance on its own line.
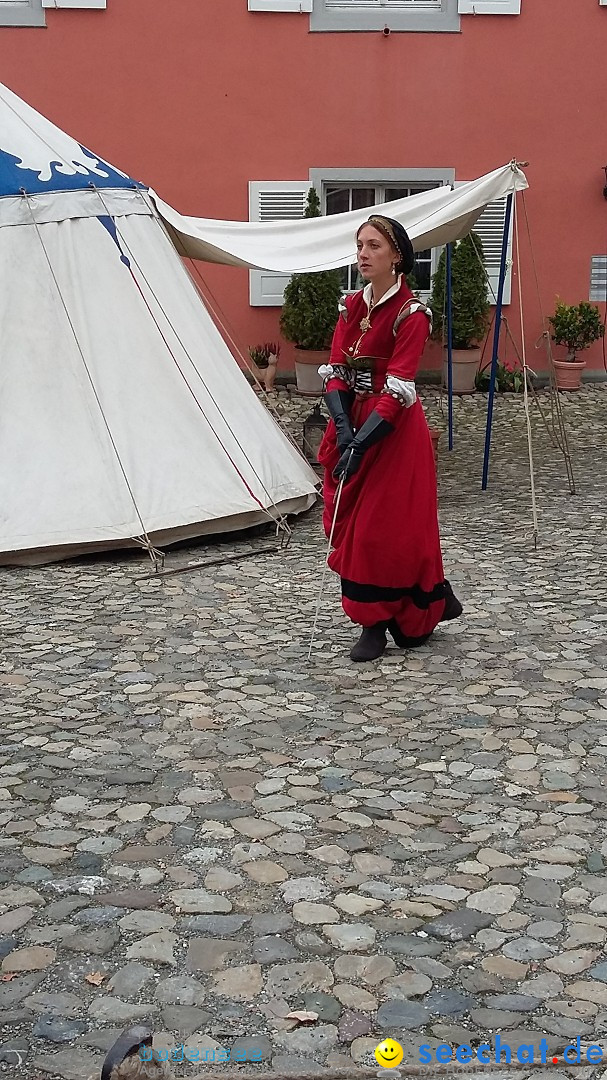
[391, 292]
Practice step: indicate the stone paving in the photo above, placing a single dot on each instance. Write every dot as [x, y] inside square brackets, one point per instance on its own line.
[203, 831]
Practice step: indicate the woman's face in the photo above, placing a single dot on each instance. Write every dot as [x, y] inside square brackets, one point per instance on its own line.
[376, 256]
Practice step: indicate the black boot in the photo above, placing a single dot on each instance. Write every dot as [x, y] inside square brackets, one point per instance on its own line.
[402, 640]
[371, 643]
[453, 608]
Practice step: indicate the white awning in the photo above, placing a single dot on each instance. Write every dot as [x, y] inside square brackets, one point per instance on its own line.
[433, 218]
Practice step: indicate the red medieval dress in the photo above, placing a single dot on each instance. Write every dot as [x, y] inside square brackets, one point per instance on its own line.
[386, 544]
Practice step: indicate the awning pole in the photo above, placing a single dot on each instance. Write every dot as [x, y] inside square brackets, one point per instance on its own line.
[450, 344]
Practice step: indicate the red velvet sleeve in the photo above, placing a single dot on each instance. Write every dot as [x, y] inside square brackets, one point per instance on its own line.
[409, 344]
[338, 357]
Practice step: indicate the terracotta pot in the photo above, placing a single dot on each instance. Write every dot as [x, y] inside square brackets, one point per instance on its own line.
[307, 363]
[435, 435]
[568, 373]
[466, 363]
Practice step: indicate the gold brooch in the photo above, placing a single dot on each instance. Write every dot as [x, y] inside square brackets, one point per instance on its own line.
[365, 323]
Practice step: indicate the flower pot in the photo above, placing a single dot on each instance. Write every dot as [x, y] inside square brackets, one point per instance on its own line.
[465, 366]
[568, 374]
[435, 435]
[307, 363]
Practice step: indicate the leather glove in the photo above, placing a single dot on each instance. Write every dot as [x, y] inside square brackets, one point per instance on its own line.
[338, 404]
[374, 429]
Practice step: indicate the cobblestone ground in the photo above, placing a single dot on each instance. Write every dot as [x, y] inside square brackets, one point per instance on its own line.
[202, 830]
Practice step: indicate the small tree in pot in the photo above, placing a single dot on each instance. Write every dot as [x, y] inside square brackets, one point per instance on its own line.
[470, 309]
[309, 315]
[576, 327]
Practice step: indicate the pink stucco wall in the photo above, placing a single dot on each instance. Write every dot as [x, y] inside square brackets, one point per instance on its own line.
[196, 98]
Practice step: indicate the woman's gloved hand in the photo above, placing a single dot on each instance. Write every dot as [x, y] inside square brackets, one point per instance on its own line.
[374, 429]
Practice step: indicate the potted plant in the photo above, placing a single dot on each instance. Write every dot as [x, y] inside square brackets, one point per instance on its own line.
[577, 327]
[309, 315]
[264, 359]
[470, 310]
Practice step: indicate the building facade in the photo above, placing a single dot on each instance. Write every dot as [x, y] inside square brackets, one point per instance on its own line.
[232, 109]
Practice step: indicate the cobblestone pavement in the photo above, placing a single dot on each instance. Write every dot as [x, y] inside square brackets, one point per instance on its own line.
[203, 831]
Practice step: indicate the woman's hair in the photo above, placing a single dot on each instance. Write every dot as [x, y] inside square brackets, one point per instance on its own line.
[398, 237]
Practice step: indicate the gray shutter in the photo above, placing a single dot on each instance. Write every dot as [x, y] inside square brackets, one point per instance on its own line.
[490, 228]
[489, 7]
[280, 5]
[598, 276]
[281, 200]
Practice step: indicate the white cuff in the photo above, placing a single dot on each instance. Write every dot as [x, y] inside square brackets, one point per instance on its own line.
[402, 389]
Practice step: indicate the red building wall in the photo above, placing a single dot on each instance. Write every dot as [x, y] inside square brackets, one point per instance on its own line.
[197, 97]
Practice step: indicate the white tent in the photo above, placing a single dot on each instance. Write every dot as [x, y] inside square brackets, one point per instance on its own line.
[124, 417]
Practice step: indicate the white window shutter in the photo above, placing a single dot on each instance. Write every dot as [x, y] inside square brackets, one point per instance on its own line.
[91, 5]
[280, 5]
[489, 7]
[282, 200]
[490, 228]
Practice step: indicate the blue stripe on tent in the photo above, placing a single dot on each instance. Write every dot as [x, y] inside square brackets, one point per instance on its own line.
[110, 225]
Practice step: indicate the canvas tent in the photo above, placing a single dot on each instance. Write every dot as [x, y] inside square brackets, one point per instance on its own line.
[124, 417]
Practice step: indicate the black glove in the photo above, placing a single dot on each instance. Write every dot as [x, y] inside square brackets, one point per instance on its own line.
[374, 429]
[338, 404]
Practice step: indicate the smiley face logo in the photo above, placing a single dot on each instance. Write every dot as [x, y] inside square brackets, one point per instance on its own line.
[389, 1054]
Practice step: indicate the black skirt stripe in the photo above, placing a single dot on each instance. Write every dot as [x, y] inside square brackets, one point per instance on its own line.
[374, 594]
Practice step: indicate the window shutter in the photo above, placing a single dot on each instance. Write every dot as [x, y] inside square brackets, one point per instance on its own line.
[92, 5]
[273, 201]
[280, 5]
[490, 228]
[598, 278]
[489, 7]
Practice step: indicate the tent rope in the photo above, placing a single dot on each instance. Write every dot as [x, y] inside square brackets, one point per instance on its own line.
[210, 301]
[143, 540]
[213, 304]
[280, 520]
[555, 400]
[561, 444]
[525, 388]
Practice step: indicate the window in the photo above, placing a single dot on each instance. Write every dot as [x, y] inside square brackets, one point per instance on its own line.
[423, 15]
[340, 190]
[356, 189]
[21, 13]
[342, 197]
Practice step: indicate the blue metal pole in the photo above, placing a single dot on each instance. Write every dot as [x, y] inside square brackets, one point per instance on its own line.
[496, 339]
[450, 345]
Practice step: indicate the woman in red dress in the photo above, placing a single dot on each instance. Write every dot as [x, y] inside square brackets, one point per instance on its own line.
[386, 544]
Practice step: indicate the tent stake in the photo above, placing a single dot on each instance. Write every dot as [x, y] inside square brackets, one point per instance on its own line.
[268, 550]
[496, 339]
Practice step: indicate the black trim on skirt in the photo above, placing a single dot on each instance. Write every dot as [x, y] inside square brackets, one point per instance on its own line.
[375, 594]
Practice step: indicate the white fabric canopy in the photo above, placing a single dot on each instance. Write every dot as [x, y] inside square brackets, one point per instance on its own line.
[433, 218]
